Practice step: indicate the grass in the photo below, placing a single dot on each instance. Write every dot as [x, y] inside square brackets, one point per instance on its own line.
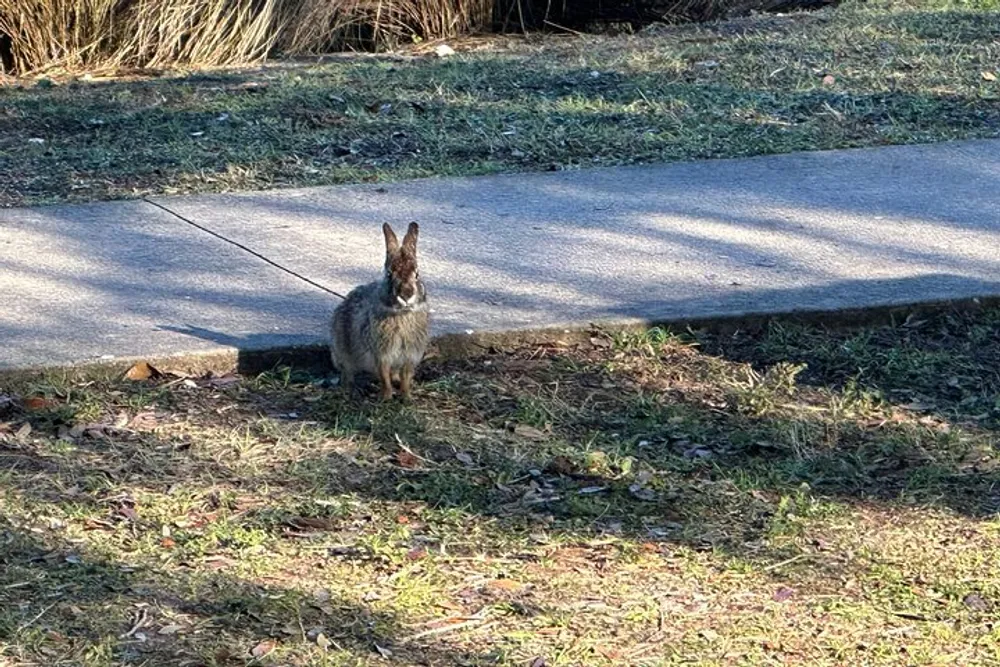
[790, 496]
[859, 75]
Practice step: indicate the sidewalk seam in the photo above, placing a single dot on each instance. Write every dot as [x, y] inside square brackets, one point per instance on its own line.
[244, 248]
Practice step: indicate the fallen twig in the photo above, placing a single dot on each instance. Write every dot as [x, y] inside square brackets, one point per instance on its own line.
[399, 441]
[562, 27]
[447, 628]
[789, 561]
[25, 626]
[139, 624]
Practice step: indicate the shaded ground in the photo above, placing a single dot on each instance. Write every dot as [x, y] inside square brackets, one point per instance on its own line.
[852, 76]
[786, 497]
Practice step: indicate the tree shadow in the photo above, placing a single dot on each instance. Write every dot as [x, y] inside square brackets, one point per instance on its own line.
[65, 605]
[939, 362]
[858, 459]
[809, 232]
[944, 459]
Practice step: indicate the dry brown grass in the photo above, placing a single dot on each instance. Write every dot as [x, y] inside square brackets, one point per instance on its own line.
[78, 35]
[315, 26]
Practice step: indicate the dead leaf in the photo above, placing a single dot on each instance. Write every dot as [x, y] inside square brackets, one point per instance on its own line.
[128, 512]
[224, 380]
[465, 458]
[600, 342]
[416, 553]
[783, 594]
[263, 648]
[323, 641]
[989, 76]
[38, 403]
[142, 370]
[315, 523]
[90, 430]
[975, 602]
[143, 421]
[506, 584]
[407, 460]
[167, 543]
[7, 403]
[561, 465]
[98, 524]
[23, 432]
[225, 655]
[530, 432]
[538, 662]
[217, 562]
[382, 651]
[169, 630]
[642, 493]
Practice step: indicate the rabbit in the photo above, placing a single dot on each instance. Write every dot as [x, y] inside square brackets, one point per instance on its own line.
[382, 327]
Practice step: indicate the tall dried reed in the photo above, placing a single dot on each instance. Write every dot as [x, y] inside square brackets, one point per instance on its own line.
[109, 34]
[315, 26]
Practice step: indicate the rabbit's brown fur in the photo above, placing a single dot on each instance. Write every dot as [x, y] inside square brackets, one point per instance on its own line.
[382, 327]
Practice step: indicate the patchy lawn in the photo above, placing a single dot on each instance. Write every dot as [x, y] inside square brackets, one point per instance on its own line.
[860, 75]
[797, 496]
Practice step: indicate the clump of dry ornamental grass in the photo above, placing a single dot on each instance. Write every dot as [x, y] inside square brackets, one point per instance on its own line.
[315, 26]
[77, 35]
[109, 34]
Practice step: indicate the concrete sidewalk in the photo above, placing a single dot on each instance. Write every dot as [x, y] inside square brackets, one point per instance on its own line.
[181, 275]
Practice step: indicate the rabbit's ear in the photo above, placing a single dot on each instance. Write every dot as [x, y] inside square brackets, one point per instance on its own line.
[410, 240]
[391, 242]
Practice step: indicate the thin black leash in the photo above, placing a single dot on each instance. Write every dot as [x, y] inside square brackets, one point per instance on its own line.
[245, 249]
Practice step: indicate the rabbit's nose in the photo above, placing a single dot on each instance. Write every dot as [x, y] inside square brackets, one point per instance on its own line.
[407, 292]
